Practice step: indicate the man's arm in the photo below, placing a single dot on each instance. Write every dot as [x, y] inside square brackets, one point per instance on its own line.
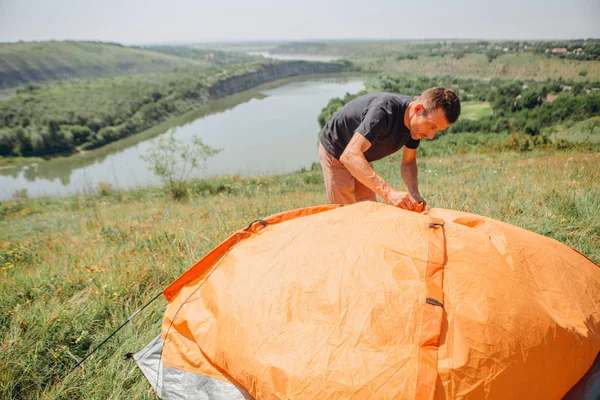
[410, 174]
[354, 160]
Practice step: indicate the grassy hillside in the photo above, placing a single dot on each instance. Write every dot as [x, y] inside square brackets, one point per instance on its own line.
[464, 58]
[508, 66]
[22, 63]
[74, 269]
[204, 56]
[61, 117]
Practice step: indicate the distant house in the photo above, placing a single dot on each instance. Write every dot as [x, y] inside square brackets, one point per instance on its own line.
[559, 50]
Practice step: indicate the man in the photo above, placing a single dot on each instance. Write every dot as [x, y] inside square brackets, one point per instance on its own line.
[374, 126]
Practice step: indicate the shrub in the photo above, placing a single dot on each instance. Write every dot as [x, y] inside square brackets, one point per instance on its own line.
[173, 161]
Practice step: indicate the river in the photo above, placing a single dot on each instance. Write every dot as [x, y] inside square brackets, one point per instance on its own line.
[264, 131]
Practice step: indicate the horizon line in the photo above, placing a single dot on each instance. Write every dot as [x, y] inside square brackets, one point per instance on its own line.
[280, 41]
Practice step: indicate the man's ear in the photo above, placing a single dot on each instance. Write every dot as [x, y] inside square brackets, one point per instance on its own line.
[419, 108]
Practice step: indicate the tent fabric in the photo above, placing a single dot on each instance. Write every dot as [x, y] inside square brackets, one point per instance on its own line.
[371, 301]
[175, 384]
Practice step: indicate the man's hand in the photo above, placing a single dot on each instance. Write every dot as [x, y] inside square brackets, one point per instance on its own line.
[420, 200]
[401, 199]
[410, 172]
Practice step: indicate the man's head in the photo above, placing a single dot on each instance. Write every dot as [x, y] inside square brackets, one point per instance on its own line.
[435, 110]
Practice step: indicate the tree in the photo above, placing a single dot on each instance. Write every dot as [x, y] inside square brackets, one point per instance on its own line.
[493, 54]
[531, 98]
[174, 161]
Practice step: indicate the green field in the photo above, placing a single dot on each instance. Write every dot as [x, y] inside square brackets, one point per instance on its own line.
[74, 269]
[475, 110]
[582, 131]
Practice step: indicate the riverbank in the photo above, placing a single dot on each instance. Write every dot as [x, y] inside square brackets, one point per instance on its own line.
[272, 116]
[63, 119]
[218, 104]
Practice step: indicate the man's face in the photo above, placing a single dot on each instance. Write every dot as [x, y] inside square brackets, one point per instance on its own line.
[427, 123]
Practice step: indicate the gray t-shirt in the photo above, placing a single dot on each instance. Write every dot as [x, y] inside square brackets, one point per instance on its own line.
[377, 116]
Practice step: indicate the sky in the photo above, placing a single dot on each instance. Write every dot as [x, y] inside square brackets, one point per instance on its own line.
[173, 21]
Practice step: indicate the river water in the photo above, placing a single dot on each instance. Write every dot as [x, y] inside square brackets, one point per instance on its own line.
[265, 131]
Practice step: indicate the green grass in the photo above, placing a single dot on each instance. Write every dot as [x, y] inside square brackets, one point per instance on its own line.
[584, 131]
[22, 63]
[14, 162]
[475, 110]
[7, 93]
[73, 269]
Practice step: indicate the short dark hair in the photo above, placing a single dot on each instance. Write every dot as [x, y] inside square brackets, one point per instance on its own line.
[439, 97]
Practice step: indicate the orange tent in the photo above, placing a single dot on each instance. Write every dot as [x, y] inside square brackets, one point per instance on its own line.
[371, 301]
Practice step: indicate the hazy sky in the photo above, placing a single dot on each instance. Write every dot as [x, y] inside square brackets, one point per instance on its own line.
[150, 21]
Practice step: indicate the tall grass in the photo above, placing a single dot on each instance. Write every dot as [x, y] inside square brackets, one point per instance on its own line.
[72, 270]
